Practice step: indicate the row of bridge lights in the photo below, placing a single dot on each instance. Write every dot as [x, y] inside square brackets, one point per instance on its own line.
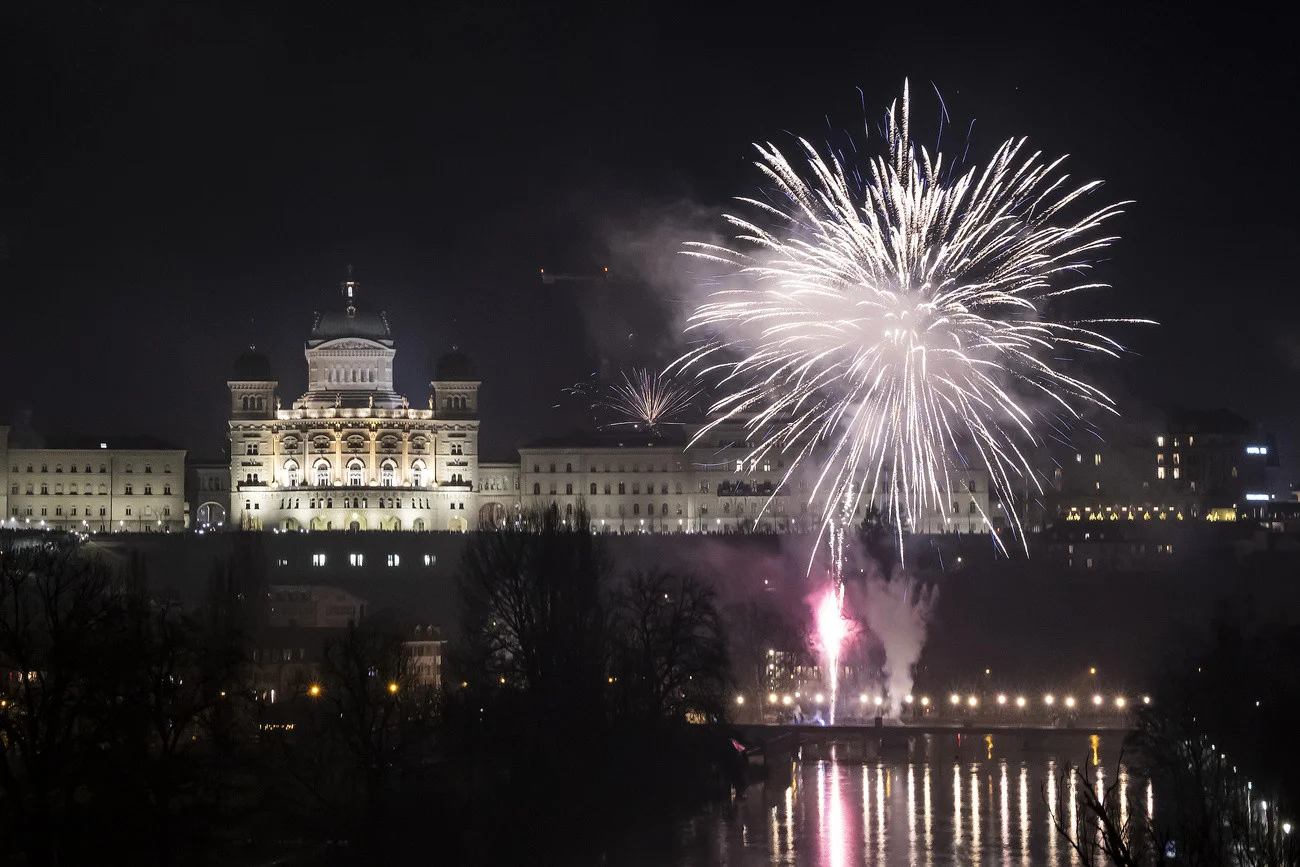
[971, 701]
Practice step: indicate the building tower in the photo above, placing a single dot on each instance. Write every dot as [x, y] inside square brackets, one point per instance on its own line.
[252, 386]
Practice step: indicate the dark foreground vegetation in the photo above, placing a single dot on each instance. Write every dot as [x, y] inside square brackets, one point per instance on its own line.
[1219, 741]
[131, 734]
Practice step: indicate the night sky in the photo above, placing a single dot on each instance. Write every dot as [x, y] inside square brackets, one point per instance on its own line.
[178, 183]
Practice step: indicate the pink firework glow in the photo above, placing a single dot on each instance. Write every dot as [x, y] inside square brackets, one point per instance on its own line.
[832, 633]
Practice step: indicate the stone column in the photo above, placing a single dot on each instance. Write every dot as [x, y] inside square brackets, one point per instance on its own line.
[338, 457]
[406, 458]
[374, 469]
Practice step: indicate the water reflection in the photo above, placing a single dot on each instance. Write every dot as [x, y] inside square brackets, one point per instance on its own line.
[841, 807]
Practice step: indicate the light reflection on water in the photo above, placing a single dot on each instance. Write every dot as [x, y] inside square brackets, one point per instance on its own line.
[835, 807]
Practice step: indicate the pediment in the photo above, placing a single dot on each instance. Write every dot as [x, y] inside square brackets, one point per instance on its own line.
[350, 343]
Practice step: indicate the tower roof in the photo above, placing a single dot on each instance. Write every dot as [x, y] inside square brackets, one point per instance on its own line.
[455, 366]
[350, 321]
[252, 366]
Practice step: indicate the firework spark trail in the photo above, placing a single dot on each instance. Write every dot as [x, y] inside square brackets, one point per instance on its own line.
[889, 318]
[886, 321]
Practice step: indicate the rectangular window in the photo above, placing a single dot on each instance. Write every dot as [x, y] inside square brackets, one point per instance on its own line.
[357, 559]
[1160, 472]
[128, 511]
[430, 559]
[394, 559]
[283, 561]
[318, 559]
[126, 491]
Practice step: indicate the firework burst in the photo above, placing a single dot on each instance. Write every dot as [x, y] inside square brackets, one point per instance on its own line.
[888, 316]
[647, 399]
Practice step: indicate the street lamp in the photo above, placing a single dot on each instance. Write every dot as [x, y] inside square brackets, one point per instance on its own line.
[1049, 699]
[1020, 701]
[954, 698]
[1069, 701]
[392, 687]
[1002, 699]
[314, 690]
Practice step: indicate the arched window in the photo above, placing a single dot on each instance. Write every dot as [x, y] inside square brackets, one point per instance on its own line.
[291, 473]
[321, 473]
[537, 488]
[417, 474]
[388, 474]
[593, 487]
[355, 473]
[663, 510]
[636, 508]
[971, 510]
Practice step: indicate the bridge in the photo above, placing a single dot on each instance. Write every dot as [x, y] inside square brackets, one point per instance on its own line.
[776, 742]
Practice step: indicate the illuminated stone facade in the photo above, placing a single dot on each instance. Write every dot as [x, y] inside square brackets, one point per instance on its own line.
[351, 453]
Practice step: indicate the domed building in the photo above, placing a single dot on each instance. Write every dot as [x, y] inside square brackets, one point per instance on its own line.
[351, 453]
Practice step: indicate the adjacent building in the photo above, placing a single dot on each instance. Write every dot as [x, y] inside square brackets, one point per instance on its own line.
[89, 484]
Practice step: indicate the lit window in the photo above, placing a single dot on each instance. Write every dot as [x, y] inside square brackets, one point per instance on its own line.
[318, 559]
[394, 559]
[1175, 472]
[357, 559]
[1096, 460]
[1160, 458]
[1175, 458]
[430, 559]
[1160, 472]
[1160, 441]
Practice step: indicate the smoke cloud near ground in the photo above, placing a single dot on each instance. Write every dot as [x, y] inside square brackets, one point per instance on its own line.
[895, 613]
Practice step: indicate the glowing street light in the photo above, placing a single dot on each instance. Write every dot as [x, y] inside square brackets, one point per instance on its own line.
[1049, 699]
[1002, 699]
[740, 699]
[925, 701]
[955, 698]
[1020, 701]
[972, 701]
[879, 701]
[907, 699]
[1146, 699]
[1096, 699]
[818, 698]
[785, 700]
[1119, 701]
[314, 690]
[771, 698]
[1069, 701]
[862, 699]
[392, 687]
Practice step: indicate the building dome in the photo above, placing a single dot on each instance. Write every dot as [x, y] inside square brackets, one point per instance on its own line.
[252, 366]
[455, 366]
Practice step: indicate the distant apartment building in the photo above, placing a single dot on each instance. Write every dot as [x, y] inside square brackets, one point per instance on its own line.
[423, 646]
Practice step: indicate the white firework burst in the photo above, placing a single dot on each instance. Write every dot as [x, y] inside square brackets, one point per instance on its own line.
[885, 319]
[647, 399]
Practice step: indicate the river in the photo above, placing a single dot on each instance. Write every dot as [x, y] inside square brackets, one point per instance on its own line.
[946, 801]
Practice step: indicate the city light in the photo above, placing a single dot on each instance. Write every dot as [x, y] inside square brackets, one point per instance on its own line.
[879, 701]
[785, 700]
[862, 699]
[740, 699]
[907, 699]
[1002, 699]
[771, 698]
[818, 698]
[392, 687]
[1020, 701]
[1146, 699]
[1096, 699]
[925, 701]
[315, 689]
[1069, 701]
[1048, 699]
[972, 701]
[1119, 701]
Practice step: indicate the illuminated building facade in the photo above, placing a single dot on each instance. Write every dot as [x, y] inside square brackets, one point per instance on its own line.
[118, 484]
[351, 453]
